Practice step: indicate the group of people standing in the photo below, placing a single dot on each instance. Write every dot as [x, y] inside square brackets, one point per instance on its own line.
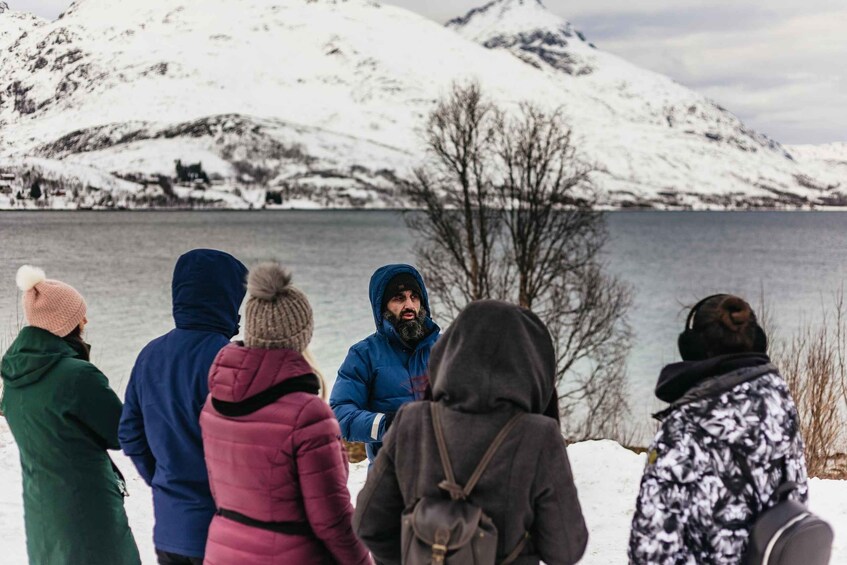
[244, 454]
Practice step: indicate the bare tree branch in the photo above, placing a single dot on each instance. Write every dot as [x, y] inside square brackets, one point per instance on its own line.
[812, 363]
[507, 211]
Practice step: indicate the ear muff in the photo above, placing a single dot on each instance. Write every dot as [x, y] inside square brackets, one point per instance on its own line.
[690, 343]
[691, 347]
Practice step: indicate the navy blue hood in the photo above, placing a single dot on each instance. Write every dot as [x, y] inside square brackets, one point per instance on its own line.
[380, 279]
[208, 288]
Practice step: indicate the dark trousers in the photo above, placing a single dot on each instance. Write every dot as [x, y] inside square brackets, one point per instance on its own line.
[166, 558]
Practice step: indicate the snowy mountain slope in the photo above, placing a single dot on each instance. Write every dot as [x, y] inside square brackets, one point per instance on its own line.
[323, 100]
[333, 168]
[15, 24]
[828, 161]
[161, 63]
[833, 154]
[651, 134]
[321, 64]
[527, 30]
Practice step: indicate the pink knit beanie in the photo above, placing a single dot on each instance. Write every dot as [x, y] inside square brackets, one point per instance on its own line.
[50, 305]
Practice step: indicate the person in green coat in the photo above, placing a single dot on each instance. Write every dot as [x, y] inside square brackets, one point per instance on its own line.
[64, 417]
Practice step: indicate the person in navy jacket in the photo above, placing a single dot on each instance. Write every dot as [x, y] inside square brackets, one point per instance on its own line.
[159, 428]
[388, 368]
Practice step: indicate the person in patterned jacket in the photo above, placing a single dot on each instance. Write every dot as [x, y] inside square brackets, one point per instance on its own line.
[729, 437]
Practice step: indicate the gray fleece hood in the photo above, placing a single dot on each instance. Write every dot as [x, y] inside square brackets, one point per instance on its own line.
[494, 356]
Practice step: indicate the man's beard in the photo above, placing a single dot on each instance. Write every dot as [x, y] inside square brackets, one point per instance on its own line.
[410, 331]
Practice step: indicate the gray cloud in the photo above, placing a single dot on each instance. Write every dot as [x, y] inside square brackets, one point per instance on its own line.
[49, 9]
[783, 79]
[675, 22]
[778, 64]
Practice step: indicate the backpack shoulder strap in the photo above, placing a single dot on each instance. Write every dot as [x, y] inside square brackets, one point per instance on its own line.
[489, 455]
[782, 490]
[517, 551]
[457, 491]
[449, 483]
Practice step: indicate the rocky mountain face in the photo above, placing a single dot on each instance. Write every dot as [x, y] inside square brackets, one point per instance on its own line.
[306, 103]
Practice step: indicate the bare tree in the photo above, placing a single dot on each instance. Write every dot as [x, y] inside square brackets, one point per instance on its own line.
[507, 212]
[460, 227]
[813, 364]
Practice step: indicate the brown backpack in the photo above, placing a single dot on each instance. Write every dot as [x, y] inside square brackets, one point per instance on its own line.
[454, 531]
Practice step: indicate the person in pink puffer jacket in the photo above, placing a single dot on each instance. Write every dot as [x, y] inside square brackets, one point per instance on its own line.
[277, 468]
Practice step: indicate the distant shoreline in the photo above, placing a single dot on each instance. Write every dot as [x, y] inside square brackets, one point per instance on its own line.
[633, 210]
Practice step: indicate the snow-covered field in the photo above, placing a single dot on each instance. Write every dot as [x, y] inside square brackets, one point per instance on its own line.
[607, 477]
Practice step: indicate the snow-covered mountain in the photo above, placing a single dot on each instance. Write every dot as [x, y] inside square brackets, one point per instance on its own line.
[830, 154]
[659, 141]
[319, 102]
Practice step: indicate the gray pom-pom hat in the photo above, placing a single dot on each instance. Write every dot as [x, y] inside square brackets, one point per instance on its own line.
[278, 315]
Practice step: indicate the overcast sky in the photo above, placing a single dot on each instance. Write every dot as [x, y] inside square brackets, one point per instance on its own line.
[781, 65]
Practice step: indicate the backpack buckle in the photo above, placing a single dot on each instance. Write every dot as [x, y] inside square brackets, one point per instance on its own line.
[439, 552]
[439, 548]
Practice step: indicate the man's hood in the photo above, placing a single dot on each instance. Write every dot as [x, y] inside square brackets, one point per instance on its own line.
[380, 279]
[208, 288]
[32, 355]
[494, 356]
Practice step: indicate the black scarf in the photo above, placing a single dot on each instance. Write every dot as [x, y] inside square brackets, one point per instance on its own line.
[677, 379]
[304, 383]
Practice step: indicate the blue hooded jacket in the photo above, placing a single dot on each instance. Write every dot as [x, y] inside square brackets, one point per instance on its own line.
[159, 428]
[380, 373]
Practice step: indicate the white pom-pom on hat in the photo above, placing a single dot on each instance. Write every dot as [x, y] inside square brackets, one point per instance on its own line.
[50, 304]
[29, 276]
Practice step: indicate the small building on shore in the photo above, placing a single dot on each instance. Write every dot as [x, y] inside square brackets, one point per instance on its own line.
[7, 182]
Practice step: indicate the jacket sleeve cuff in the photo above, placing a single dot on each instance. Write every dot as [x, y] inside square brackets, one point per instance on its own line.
[146, 466]
[375, 431]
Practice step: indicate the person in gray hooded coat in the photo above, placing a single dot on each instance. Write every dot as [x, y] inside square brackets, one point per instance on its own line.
[496, 360]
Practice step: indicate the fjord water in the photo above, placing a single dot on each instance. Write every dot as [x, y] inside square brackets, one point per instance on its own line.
[122, 263]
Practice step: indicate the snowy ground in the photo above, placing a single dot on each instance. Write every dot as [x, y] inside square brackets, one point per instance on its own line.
[606, 475]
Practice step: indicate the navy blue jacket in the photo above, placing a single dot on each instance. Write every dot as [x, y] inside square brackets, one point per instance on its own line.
[380, 373]
[159, 427]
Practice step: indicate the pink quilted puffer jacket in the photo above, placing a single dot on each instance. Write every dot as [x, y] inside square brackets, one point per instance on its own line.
[274, 459]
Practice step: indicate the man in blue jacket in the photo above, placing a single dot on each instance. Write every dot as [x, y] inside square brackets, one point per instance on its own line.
[159, 427]
[388, 368]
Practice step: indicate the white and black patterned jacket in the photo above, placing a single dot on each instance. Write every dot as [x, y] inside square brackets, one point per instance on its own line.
[696, 505]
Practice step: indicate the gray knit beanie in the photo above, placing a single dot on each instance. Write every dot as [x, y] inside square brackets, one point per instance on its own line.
[278, 315]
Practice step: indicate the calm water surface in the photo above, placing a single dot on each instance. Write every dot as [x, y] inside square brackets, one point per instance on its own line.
[122, 263]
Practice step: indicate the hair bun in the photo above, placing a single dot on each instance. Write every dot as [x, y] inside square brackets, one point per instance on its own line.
[267, 281]
[735, 313]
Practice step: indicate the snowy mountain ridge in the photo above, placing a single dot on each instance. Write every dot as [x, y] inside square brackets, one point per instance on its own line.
[280, 110]
[505, 17]
[834, 152]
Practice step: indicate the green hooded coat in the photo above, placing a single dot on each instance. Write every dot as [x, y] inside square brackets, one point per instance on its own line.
[64, 417]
